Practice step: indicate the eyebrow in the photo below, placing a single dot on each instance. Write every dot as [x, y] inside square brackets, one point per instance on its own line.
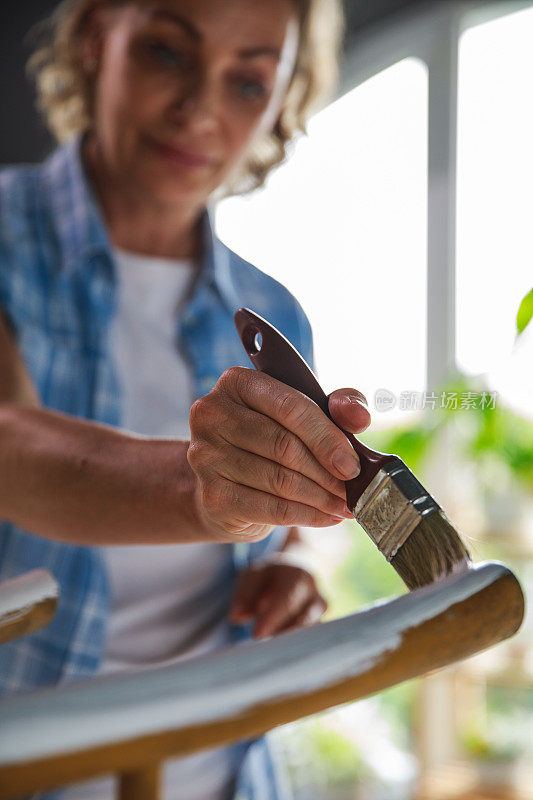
[194, 33]
[257, 52]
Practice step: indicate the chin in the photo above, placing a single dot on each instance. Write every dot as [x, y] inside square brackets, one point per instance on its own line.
[169, 192]
[177, 188]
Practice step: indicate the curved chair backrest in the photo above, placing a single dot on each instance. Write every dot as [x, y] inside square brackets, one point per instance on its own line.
[128, 724]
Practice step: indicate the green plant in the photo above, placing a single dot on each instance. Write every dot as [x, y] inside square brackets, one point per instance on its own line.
[497, 744]
[488, 434]
[328, 757]
[525, 313]
[339, 756]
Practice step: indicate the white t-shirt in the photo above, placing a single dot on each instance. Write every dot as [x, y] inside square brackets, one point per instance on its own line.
[169, 602]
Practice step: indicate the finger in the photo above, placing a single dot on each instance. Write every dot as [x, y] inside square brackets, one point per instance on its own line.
[237, 508]
[280, 604]
[349, 409]
[294, 411]
[309, 615]
[254, 432]
[257, 472]
[247, 593]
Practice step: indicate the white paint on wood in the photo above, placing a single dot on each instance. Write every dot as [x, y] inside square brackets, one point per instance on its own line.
[215, 687]
[18, 595]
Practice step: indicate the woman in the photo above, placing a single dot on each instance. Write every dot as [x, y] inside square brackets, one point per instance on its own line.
[120, 299]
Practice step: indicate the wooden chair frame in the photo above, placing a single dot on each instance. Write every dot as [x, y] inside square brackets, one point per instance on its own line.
[129, 724]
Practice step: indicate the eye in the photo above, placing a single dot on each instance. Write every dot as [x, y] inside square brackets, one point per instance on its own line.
[251, 89]
[165, 55]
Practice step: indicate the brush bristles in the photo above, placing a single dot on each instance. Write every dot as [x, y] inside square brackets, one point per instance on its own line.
[434, 548]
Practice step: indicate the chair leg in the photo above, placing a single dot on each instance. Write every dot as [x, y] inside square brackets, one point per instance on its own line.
[141, 784]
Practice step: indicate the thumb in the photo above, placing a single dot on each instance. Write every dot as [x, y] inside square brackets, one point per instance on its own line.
[349, 410]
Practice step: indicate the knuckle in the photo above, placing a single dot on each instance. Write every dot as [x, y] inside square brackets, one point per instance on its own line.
[283, 482]
[233, 377]
[331, 504]
[289, 407]
[286, 448]
[314, 590]
[284, 511]
[214, 498]
[308, 579]
[195, 412]
[300, 576]
[327, 443]
[202, 413]
[209, 413]
[200, 454]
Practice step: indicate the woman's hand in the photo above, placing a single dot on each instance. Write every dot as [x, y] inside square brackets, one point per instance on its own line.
[266, 455]
[278, 595]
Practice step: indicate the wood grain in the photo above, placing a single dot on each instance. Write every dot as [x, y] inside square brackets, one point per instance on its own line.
[249, 689]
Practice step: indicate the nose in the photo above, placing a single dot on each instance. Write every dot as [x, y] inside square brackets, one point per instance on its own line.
[198, 103]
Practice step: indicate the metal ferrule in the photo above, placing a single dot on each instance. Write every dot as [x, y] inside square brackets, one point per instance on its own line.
[391, 507]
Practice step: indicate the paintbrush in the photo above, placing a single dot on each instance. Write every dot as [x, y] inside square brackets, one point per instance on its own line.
[391, 505]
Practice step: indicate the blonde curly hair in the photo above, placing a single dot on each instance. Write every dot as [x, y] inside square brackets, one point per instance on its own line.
[65, 89]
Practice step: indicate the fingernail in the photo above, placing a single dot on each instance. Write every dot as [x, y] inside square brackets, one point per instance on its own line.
[360, 399]
[344, 513]
[347, 464]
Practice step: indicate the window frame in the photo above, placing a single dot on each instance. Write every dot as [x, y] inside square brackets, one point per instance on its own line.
[431, 34]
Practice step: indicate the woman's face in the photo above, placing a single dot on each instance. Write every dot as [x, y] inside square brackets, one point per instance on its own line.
[183, 86]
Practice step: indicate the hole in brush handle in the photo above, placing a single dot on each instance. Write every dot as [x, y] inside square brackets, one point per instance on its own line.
[277, 357]
[252, 339]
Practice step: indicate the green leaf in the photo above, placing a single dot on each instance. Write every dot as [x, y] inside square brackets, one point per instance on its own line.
[525, 313]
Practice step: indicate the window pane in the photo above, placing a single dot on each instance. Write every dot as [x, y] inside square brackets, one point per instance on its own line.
[495, 202]
[343, 226]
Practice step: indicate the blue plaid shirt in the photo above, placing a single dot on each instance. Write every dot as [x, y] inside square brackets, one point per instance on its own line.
[57, 289]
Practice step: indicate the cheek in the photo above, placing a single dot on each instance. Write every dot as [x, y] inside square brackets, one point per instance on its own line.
[125, 97]
[243, 129]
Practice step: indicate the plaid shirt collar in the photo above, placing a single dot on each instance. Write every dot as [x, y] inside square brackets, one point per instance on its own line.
[82, 234]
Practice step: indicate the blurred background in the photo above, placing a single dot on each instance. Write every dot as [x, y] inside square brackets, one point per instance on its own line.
[403, 223]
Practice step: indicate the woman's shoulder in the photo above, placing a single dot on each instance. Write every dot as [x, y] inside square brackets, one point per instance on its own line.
[18, 186]
[28, 240]
[24, 202]
[272, 300]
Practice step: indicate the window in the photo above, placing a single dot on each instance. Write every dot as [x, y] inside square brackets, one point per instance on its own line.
[495, 203]
[343, 225]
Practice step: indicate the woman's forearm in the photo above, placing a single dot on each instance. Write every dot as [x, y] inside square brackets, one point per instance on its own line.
[16, 386]
[84, 483]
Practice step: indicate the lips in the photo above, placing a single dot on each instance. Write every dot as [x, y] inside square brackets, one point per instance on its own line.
[179, 155]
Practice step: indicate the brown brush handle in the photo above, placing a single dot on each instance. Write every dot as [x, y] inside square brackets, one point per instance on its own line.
[273, 354]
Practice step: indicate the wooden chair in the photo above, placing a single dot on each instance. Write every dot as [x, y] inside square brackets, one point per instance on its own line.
[27, 603]
[129, 724]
